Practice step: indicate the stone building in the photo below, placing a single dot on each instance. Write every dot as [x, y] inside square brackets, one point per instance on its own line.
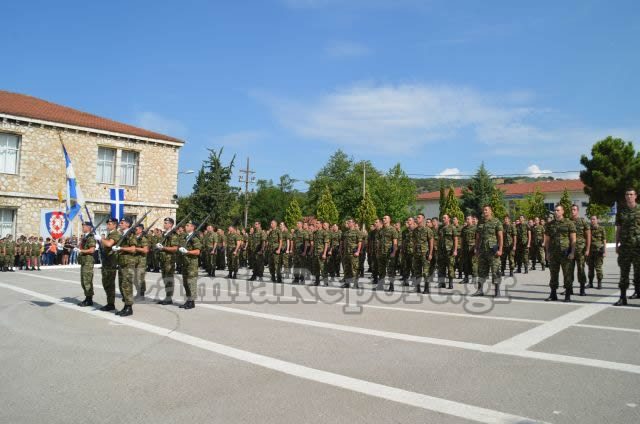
[105, 154]
[429, 203]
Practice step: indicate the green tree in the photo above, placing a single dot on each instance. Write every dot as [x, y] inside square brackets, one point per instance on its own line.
[478, 193]
[535, 205]
[326, 210]
[443, 198]
[497, 204]
[452, 206]
[293, 213]
[397, 194]
[366, 213]
[565, 201]
[212, 192]
[601, 211]
[614, 166]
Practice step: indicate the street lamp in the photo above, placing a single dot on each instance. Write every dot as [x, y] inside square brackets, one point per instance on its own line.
[186, 171]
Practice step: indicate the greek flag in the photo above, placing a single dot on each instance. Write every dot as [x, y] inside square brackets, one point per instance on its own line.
[117, 203]
[75, 199]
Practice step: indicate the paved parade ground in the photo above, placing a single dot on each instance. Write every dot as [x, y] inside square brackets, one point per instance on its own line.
[271, 353]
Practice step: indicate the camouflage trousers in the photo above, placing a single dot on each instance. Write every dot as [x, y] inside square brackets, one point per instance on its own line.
[190, 284]
[557, 261]
[446, 262]
[594, 262]
[385, 265]
[286, 263]
[139, 276]
[489, 265]
[629, 256]
[470, 262]
[320, 266]
[168, 271]
[421, 264]
[406, 264]
[109, 283]
[233, 261]
[242, 261]
[299, 264]
[537, 254]
[126, 274]
[334, 263]
[220, 258]
[86, 279]
[507, 255]
[275, 264]
[361, 260]
[351, 267]
[258, 264]
[522, 256]
[578, 261]
[373, 263]
[433, 264]
[251, 257]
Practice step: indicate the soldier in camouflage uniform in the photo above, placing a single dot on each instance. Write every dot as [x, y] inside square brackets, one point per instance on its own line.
[298, 249]
[422, 245]
[387, 249]
[628, 245]
[509, 243]
[85, 251]
[207, 245]
[560, 241]
[489, 243]
[259, 242]
[458, 263]
[220, 249]
[335, 236]
[126, 265]
[373, 251]
[583, 248]
[597, 253]
[189, 249]
[523, 244]
[109, 267]
[447, 252]
[167, 247]
[406, 249]
[434, 224]
[286, 250]
[274, 249]
[251, 250]
[538, 244]
[9, 253]
[142, 251]
[470, 259]
[351, 246]
[2, 254]
[233, 240]
[320, 248]
[243, 250]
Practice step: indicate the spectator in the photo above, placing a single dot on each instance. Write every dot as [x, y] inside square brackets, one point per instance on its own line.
[52, 251]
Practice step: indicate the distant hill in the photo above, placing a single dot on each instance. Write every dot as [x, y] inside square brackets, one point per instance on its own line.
[425, 185]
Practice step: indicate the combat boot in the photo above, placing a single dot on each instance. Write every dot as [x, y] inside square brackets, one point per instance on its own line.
[636, 294]
[253, 277]
[582, 290]
[108, 307]
[479, 292]
[552, 297]
[519, 270]
[317, 282]
[88, 301]
[497, 290]
[510, 273]
[417, 285]
[165, 301]
[599, 284]
[126, 311]
[567, 296]
[526, 269]
[623, 299]
[426, 287]
[230, 275]
[441, 284]
[325, 281]
[390, 288]
[345, 285]
[450, 283]
[590, 284]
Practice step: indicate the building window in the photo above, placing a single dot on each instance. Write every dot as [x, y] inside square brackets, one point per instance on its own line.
[100, 218]
[9, 149]
[550, 206]
[106, 165]
[128, 168]
[6, 221]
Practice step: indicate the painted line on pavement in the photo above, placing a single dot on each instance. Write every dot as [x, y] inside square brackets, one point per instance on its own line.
[381, 391]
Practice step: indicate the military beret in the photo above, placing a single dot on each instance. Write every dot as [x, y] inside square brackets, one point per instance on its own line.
[169, 220]
[87, 223]
[126, 219]
[192, 222]
[140, 226]
[112, 220]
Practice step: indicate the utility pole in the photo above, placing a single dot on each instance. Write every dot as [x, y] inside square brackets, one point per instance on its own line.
[247, 178]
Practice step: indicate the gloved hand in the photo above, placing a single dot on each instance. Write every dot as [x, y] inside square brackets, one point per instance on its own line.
[75, 249]
[98, 237]
[159, 246]
[182, 250]
[115, 248]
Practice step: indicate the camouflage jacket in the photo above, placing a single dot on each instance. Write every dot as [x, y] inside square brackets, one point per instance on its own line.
[87, 241]
[629, 222]
[559, 232]
[488, 235]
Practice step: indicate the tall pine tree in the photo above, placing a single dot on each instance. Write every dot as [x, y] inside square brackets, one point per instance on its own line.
[478, 193]
[497, 204]
[326, 209]
[565, 201]
[366, 212]
[293, 214]
[452, 206]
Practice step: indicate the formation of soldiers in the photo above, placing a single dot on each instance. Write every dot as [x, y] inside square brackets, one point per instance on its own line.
[479, 251]
[23, 253]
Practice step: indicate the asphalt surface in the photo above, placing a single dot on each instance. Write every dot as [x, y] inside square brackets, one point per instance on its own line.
[272, 353]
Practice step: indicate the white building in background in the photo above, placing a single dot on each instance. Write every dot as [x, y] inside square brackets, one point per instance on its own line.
[429, 202]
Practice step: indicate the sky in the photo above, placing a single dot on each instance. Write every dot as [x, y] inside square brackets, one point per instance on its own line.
[438, 86]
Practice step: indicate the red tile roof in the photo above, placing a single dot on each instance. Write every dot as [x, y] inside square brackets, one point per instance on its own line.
[520, 188]
[31, 107]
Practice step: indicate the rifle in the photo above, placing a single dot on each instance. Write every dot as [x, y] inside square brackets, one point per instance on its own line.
[146, 230]
[95, 227]
[175, 227]
[197, 229]
[126, 233]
